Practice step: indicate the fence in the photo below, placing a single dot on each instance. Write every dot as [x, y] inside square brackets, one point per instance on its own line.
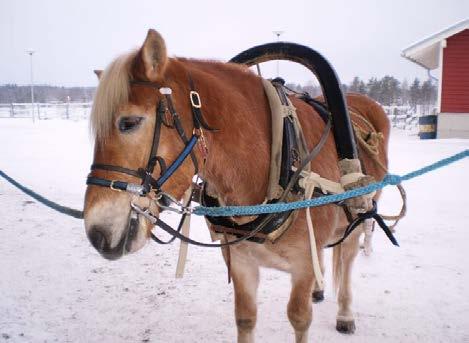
[402, 117]
[406, 117]
[64, 110]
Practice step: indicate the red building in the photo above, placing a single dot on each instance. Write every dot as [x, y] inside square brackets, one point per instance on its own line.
[448, 52]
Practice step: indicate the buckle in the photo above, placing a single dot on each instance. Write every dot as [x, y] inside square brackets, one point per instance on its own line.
[195, 99]
[114, 188]
[197, 132]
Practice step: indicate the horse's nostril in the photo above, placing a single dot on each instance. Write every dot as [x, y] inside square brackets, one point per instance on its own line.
[97, 239]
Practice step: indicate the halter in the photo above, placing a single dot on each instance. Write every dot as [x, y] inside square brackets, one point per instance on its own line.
[149, 183]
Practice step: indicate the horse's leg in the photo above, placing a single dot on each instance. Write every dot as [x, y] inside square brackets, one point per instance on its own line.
[318, 295]
[245, 275]
[300, 309]
[347, 251]
[368, 228]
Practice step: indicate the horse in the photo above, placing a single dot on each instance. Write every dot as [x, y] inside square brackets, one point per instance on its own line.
[236, 157]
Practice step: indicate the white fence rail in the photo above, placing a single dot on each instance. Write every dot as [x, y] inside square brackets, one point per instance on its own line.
[402, 117]
[64, 110]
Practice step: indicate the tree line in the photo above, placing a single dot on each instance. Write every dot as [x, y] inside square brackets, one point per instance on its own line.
[387, 90]
[12, 93]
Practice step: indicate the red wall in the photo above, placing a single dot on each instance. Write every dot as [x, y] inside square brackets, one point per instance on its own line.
[455, 83]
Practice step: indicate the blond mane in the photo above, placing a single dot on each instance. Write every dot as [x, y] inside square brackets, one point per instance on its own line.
[112, 91]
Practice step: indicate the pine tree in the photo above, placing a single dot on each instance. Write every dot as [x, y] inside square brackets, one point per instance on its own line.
[374, 89]
[415, 93]
[354, 86]
[404, 98]
[362, 87]
[428, 93]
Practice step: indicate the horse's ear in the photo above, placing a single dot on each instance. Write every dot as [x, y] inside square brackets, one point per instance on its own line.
[98, 73]
[153, 55]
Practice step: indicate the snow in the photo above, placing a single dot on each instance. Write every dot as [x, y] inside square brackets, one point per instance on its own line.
[54, 287]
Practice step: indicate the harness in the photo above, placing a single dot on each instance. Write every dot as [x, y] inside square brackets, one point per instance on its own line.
[294, 163]
[151, 187]
[288, 150]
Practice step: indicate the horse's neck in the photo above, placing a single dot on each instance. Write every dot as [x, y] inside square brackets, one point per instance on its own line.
[239, 152]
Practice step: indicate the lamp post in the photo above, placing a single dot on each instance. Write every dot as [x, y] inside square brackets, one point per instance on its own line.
[31, 52]
[278, 33]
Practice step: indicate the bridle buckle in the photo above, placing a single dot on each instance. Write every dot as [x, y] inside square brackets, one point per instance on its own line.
[197, 132]
[195, 99]
[111, 186]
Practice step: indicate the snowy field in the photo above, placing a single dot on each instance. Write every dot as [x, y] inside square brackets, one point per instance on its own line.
[54, 287]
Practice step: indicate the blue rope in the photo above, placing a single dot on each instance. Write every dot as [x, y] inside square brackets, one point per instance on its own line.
[49, 203]
[390, 179]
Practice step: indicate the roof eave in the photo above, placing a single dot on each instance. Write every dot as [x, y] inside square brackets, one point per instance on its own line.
[430, 43]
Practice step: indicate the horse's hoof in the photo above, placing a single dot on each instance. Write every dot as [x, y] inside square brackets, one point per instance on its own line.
[318, 296]
[345, 326]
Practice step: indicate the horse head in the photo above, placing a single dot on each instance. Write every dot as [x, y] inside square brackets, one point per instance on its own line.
[130, 119]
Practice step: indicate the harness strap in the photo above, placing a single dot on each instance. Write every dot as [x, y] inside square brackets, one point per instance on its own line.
[184, 225]
[119, 185]
[148, 180]
[180, 129]
[177, 162]
[361, 217]
[309, 190]
[158, 222]
[307, 160]
[137, 173]
[196, 105]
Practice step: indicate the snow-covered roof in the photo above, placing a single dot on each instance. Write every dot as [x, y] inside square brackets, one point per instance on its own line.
[426, 52]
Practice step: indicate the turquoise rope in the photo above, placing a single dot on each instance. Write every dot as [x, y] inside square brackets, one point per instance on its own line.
[390, 179]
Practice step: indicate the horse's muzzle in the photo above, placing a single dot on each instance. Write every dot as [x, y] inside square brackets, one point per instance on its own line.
[101, 242]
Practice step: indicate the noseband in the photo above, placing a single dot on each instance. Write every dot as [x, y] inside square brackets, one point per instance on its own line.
[148, 182]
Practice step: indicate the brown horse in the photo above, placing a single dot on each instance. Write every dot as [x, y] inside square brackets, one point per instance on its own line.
[236, 168]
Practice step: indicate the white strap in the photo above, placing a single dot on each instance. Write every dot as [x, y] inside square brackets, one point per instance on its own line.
[309, 184]
[326, 186]
[183, 247]
[350, 178]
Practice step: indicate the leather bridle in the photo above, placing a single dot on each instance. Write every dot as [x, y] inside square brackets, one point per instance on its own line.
[148, 182]
[149, 186]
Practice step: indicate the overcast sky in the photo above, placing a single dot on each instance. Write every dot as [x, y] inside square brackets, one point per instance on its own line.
[71, 38]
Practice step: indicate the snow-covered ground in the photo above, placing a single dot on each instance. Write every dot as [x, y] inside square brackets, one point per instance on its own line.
[54, 287]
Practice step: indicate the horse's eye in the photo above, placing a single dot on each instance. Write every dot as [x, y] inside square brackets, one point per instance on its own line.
[127, 124]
